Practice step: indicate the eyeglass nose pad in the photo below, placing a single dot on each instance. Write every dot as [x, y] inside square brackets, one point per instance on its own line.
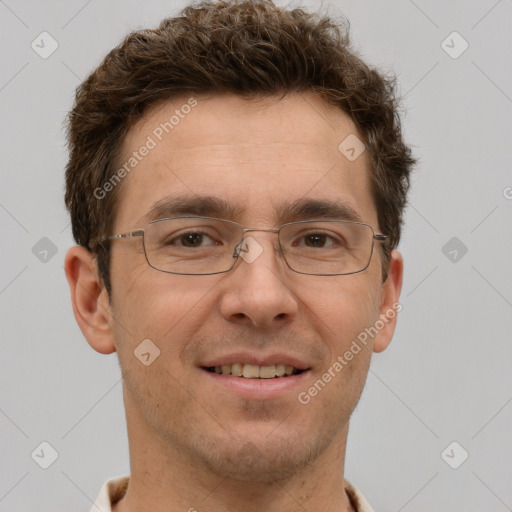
[236, 251]
[240, 248]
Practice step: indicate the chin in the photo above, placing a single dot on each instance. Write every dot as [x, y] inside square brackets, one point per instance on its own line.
[263, 459]
[249, 464]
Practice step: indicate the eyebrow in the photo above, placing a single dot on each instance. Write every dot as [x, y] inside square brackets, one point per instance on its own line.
[211, 206]
[205, 206]
[305, 209]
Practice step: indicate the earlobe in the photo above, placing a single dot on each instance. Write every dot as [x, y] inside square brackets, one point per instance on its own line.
[89, 299]
[389, 304]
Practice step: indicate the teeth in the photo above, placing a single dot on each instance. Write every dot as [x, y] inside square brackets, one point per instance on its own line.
[267, 372]
[253, 371]
[237, 369]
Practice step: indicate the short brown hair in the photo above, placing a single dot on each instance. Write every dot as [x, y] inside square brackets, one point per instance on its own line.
[249, 48]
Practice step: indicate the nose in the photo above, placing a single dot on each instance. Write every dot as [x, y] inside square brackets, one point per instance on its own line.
[256, 291]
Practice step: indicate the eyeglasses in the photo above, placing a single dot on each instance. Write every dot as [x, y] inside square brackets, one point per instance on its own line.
[206, 245]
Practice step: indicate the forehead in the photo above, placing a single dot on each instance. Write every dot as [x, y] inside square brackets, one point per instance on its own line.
[254, 155]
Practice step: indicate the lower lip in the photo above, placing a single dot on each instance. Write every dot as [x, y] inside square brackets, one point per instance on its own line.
[258, 388]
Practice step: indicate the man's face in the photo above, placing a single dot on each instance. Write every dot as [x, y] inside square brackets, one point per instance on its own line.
[258, 158]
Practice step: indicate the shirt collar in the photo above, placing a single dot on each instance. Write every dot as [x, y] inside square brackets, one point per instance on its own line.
[115, 488]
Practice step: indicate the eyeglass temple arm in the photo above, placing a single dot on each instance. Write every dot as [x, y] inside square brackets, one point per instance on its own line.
[131, 234]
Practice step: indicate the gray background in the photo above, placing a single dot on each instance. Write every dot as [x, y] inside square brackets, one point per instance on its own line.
[446, 376]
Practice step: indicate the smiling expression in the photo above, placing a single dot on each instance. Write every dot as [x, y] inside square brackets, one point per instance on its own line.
[260, 164]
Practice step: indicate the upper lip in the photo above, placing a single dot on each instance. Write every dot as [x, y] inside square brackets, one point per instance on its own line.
[257, 359]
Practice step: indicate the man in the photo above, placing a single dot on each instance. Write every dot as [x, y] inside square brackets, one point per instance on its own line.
[236, 184]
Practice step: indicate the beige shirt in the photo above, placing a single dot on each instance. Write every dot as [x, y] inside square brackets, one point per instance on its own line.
[115, 488]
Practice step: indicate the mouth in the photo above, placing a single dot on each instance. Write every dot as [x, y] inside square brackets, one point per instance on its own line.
[256, 376]
[254, 371]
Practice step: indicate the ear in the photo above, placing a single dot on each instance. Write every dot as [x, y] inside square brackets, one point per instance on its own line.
[89, 299]
[389, 304]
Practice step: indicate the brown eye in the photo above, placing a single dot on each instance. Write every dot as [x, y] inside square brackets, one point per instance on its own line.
[315, 240]
[191, 239]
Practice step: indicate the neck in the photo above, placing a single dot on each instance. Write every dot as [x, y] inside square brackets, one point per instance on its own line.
[165, 478]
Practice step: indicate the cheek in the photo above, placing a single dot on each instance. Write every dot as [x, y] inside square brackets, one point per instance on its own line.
[340, 314]
[165, 308]
[345, 313]
[343, 303]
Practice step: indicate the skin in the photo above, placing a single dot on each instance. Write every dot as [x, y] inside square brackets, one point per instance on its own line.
[194, 444]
